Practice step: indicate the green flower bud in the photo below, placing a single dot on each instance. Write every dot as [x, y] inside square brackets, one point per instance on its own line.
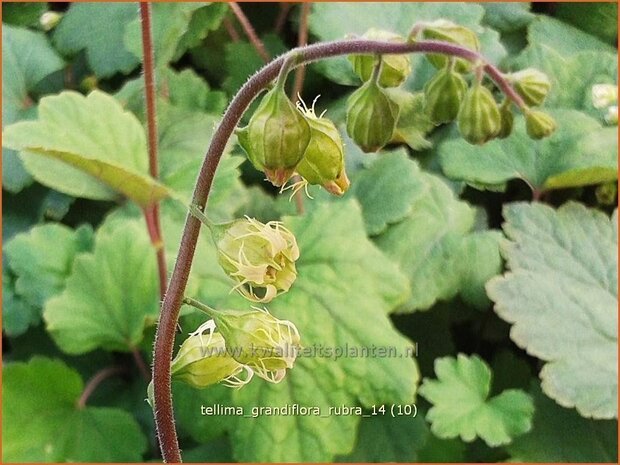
[447, 31]
[260, 257]
[507, 120]
[539, 124]
[443, 95]
[395, 68]
[323, 162]
[276, 137]
[371, 117]
[532, 85]
[49, 20]
[89, 83]
[259, 340]
[479, 119]
[203, 360]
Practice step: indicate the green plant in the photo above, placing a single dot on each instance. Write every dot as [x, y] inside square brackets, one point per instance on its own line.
[393, 247]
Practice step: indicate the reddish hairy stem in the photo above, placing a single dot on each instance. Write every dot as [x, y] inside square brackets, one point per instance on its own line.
[149, 86]
[249, 31]
[151, 213]
[166, 329]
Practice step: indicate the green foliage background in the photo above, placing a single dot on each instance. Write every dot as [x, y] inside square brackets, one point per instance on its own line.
[512, 303]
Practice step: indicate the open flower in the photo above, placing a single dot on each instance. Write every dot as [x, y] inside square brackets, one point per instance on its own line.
[256, 338]
[260, 257]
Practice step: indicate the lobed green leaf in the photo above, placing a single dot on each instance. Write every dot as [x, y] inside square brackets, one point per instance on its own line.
[461, 406]
[111, 295]
[43, 258]
[44, 423]
[98, 29]
[86, 147]
[580, 153]
[27, 58]
[561, 296]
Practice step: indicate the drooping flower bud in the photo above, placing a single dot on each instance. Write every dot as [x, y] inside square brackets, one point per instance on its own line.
[260, 257]
[479, 119]
[89, 83]
[447, 31]
[203, 360]
[539, 124]
[532, 85]
[371, 117]
[276, 137]
[443, 95]
[259, 340]
[507, 119]
[395, 68]
[323, 162]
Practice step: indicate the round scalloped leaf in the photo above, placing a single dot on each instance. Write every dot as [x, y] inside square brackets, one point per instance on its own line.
[386, 192]
[427, 241]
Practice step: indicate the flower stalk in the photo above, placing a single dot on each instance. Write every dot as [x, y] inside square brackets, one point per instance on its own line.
[166, 329]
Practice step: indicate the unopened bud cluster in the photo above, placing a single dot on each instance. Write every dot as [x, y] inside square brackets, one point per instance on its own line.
[283, 139]
[373, 115]
[234, 346]
[478, 115]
